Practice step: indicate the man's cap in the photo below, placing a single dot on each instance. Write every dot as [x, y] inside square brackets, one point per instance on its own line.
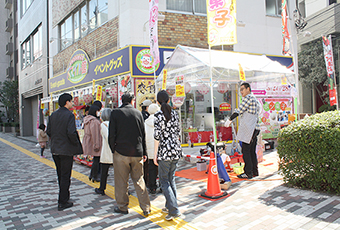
[146, 103]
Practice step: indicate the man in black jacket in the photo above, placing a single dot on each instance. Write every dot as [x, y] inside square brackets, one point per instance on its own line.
[65, 143]
[127, 142]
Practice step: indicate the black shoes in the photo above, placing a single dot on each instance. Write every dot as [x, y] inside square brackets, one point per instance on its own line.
[98, 191]
[117, 210]
[153, 191]
[61, 207]
[244, 176]
[146, 213]
[94, 180]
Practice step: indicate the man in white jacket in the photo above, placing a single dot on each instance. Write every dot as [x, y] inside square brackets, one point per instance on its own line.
[150, 145]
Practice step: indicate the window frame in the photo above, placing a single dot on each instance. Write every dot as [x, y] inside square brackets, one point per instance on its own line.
[188, 12]
[88, 30]
[278, 9]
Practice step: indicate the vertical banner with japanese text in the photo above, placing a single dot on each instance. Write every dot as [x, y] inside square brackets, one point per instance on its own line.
[221, 15]
[145, 90]
[328, 53]
[285, 33]
[153, 27]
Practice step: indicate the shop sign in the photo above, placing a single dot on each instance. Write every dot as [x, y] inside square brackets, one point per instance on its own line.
[99, 93]
[142, 65]
[180, 86]
[221, 16]
[165, 76]
[145, 61]
[112, 64]
[276, 90]
[177, 101]
[78, 66]
[225, 107]
[145, 90]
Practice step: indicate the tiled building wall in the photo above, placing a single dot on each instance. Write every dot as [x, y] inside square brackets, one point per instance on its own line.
[184, 29]
[61, 8]
[96, 44]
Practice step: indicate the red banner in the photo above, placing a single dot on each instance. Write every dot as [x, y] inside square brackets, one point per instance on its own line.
[328, 53]
[285, 33]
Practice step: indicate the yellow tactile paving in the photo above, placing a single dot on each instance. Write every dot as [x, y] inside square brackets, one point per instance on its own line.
[156, 215]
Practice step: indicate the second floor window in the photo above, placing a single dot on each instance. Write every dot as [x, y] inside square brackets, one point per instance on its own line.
[190, 6]
[31, 49]
[82, 21]
[273, 7]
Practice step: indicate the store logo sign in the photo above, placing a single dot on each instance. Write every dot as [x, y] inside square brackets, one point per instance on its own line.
[144, 61]
[78, 66]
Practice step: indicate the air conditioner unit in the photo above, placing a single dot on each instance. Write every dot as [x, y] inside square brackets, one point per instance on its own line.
[9, 25]
[8, 4]
[9, 72]
[9, 48]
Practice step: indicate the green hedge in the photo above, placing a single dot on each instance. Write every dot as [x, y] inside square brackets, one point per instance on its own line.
[309, 152]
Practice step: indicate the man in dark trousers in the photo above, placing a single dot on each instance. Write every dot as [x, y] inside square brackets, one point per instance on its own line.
[65, 144]
[248, 130]
[127, 142]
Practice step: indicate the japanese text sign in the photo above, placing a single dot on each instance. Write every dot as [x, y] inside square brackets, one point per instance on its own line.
[221, 16]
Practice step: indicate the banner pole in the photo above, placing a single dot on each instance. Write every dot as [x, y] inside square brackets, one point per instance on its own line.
[212, 100]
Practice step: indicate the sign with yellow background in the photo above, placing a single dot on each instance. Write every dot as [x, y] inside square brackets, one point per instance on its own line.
[221, 16]
[145, 90]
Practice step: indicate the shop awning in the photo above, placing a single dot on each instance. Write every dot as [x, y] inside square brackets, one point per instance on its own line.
[193, 63]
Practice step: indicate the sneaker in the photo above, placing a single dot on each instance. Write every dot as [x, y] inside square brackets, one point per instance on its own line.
[169, 217]
[42, 157]
[61, 207]
[165, 210]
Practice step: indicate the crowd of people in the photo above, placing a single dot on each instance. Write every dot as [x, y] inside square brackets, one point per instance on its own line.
[144, 145]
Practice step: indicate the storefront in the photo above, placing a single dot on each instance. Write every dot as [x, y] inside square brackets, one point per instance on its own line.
[189, 68]
[105, 79]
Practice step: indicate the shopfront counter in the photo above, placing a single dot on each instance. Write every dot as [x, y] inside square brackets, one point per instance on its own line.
[223, 134]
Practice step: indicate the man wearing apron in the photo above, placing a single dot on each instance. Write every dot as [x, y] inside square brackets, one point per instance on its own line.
[248, 130]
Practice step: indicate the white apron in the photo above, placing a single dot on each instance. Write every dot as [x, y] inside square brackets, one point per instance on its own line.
[247, 126]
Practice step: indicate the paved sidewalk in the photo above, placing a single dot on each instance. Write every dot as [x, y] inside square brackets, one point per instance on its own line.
[29, 191]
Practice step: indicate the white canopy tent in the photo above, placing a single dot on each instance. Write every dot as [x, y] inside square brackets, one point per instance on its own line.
[193, 63]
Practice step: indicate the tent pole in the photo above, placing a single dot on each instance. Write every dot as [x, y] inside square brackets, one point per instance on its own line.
[212, 100]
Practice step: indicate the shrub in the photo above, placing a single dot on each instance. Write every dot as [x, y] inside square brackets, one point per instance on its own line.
[309, 152]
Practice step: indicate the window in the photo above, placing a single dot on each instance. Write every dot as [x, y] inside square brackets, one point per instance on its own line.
[37, 44]
[26, 53]
[76, 26]
[192, 6]
[66, 37]
[273, 7]
[85, 19]
[25, 4]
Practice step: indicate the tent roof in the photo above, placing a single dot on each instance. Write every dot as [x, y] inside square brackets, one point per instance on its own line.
[193, 63]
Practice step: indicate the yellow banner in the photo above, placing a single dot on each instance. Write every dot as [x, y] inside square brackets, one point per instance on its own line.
[242, 74]
[180, 92]
[165, 74]
[99, 93]
[221, 16]
[145, 90]
[93, 86]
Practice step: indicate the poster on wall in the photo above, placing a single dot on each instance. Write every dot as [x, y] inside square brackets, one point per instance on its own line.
[273, 114]
[145, 90]
[124, 84]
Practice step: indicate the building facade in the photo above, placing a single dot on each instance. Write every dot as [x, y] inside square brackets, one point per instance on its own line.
[33, 64]
[8, 37]
[321, 17]
[100, 28]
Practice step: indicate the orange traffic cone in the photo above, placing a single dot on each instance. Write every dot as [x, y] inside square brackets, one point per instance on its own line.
[214, 190]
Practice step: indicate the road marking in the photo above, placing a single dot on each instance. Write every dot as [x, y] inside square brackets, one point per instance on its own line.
[156, 215]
